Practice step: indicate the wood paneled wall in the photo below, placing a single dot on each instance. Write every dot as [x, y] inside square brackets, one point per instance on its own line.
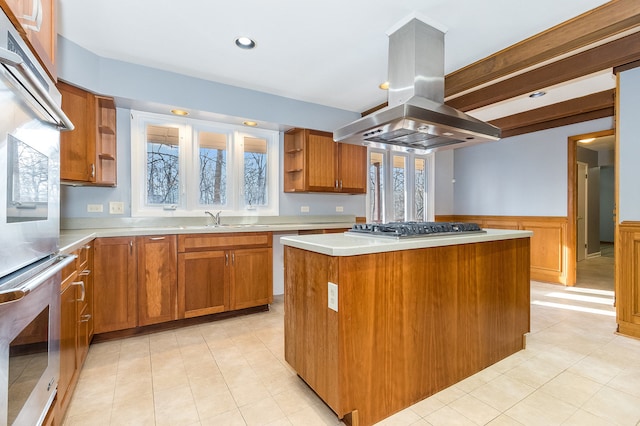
[549, 244]
[628, 282]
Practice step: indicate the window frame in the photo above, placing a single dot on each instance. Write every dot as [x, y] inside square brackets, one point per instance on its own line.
[387, 202]
[189, 137]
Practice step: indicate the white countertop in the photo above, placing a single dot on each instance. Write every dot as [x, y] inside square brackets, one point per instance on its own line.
[72, 239]
[353, 245]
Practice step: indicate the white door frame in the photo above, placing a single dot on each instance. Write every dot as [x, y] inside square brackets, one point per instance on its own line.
[582, 218]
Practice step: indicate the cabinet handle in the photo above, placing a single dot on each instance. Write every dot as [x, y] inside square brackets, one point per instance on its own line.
[336, 184]
[85, 273]
[131, 246]
[233, 259]
[87, 247]
[340, 183]
[226, 259]
[85, 318]
[93, 170]
[84, 293]
[156, 238]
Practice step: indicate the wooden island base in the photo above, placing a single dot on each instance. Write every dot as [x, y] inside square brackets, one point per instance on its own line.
[409, 323]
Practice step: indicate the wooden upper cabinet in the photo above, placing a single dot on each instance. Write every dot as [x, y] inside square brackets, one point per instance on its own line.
[36, 21]
[313, 162]
[88, 153]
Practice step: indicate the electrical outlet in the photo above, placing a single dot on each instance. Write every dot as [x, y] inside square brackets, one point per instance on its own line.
[339, 209]
[116, 207]
[95, 208]
[304, 209]
[332, 296]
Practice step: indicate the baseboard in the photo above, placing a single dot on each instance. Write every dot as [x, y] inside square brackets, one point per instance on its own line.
[592, 255]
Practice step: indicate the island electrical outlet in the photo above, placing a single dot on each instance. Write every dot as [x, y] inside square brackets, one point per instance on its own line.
[332, 296]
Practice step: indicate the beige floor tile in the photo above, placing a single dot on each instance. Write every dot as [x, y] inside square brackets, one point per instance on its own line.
[502, 393]
[504, 420]
[218, 401]
[228, 418]
[627, 381]
[483, 377]
[571, 388]
[427, 406]
[450, 394]
[93, 418]
[175, 406]
[136, 411]
[614, 405]
[541, 409]
[132, 389]
[405, 417]
[262, 412]
[249, 393]
[292, 401]
[584, 418]
[474, 409]
[168, 379]
[447, 416]
[316, 415]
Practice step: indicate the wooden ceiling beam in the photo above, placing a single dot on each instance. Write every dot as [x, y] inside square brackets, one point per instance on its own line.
[610, 19]
[609, 55]
[590, 107]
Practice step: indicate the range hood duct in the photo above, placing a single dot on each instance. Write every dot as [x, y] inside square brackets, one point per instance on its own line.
[416, 117]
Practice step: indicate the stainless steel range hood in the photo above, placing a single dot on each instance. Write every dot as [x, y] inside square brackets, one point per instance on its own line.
[416, 116]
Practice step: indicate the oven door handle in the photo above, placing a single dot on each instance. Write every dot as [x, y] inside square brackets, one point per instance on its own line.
[33, 283]
[13, 60]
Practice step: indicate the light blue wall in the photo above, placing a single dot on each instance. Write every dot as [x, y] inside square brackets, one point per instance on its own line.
[524, 175]
[629, 145]
[154, 90]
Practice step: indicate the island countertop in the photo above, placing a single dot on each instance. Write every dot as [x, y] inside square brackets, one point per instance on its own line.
[347, 244]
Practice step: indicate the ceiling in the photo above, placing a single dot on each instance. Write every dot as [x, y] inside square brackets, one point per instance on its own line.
[330, 52]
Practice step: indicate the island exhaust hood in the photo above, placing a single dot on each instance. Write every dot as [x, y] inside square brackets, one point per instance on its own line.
[416, 117]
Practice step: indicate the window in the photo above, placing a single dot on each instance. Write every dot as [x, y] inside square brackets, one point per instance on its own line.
[409, 194]
[185, 166]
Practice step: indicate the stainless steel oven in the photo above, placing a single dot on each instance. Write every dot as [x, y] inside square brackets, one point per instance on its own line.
[30, 267]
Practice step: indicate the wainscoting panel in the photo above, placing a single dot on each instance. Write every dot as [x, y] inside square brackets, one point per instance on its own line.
[548, 243]
[628, 282]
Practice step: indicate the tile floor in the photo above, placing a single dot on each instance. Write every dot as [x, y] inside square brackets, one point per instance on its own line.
[575, 371]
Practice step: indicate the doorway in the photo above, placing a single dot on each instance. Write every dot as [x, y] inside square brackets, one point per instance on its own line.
[590, 210]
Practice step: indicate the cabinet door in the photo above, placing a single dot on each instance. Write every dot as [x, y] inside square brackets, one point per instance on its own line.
[251, 277]
[115, 284]
[77, 147]
[157, 289]
[203, 283]
[68, 341]
[352, 168]
[321, 162]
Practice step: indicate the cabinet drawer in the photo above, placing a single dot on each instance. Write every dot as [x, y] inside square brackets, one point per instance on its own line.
[200, 242]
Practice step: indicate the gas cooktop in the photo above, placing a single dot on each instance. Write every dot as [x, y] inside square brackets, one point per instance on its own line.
[403, 230]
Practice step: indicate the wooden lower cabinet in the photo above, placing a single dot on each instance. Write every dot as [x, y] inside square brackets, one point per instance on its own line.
[251, 277]
[76, 324]
[203, 283]
[157, 289]
[222, 272]
[115, 288]
[68, 340]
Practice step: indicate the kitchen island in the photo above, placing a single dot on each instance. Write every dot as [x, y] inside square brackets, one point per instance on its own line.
[375, 325]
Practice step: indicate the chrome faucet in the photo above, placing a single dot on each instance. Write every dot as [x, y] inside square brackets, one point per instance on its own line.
[215, 218]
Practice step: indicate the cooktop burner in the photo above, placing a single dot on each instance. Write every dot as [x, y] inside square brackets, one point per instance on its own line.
[415, 229]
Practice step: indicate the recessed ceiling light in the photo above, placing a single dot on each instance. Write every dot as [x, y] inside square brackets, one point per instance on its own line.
[250, 123]
[537, 94]
[587, 140]
[179, 112]
[245, 43]
[384, 86]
